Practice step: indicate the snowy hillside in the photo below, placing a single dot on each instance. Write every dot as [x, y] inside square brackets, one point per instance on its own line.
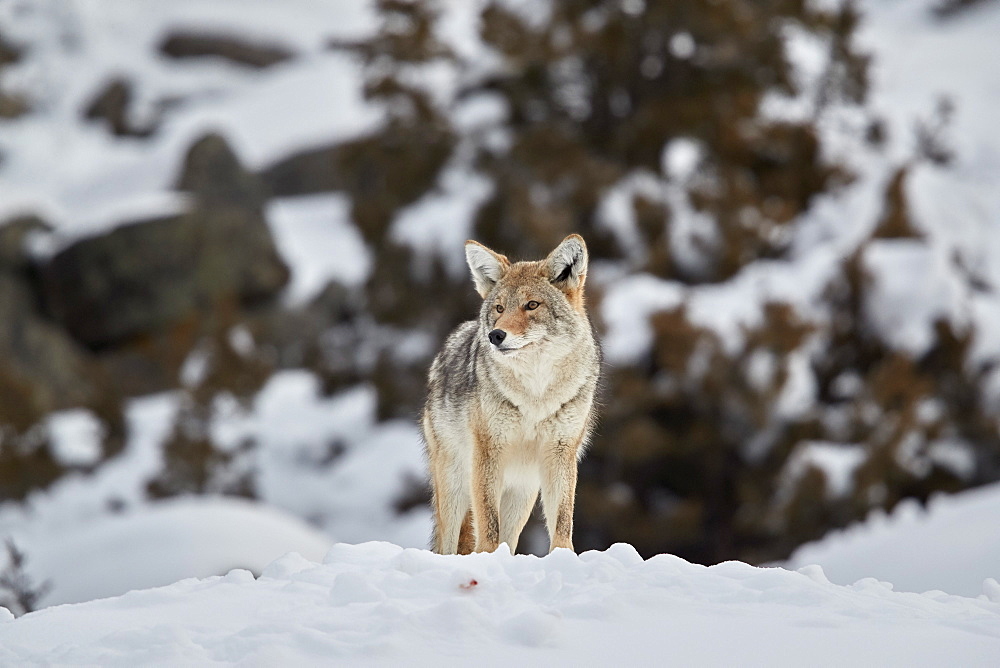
[84, 551]
[83, 180]
[952, 545]
[378, 604]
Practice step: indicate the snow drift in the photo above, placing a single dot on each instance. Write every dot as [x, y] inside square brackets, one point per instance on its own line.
[377, 603]
[952, 545]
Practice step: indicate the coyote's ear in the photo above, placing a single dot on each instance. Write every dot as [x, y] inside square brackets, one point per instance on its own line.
[567, 264]
[487, 267]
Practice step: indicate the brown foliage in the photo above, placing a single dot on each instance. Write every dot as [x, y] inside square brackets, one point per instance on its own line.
[691, 434]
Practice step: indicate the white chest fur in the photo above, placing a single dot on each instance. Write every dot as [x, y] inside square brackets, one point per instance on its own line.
[541, 388]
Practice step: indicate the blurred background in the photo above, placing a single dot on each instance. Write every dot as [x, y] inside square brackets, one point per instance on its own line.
[231, 241]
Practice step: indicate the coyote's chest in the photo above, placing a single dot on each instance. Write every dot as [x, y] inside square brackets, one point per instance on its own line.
[544, 400]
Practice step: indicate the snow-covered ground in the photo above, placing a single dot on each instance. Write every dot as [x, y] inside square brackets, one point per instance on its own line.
[952, 545]
[378, 604]
[166, 542]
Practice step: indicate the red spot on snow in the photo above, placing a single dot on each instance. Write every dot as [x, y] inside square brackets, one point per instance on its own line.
[468, 585]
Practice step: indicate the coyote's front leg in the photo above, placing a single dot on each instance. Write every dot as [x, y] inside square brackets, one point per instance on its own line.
[486, 494]
[559, 492]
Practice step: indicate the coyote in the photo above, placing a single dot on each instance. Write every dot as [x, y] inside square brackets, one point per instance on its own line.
[510, 402]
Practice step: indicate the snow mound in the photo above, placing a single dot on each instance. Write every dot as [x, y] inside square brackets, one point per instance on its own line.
[380, 604]
[164, 542]
[952, 545]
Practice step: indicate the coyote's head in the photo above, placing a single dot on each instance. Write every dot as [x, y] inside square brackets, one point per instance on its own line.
[531, 305]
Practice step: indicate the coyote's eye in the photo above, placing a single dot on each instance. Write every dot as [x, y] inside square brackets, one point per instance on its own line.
[499, 308]
[532, 305]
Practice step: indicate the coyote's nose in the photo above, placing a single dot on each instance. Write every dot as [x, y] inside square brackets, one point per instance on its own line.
[497, 336]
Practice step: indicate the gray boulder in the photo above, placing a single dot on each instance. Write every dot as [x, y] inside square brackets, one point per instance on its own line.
[36, 356]
[145, 278]
[228, 47]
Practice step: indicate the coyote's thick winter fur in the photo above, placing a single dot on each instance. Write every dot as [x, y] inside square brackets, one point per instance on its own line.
[511, 402]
